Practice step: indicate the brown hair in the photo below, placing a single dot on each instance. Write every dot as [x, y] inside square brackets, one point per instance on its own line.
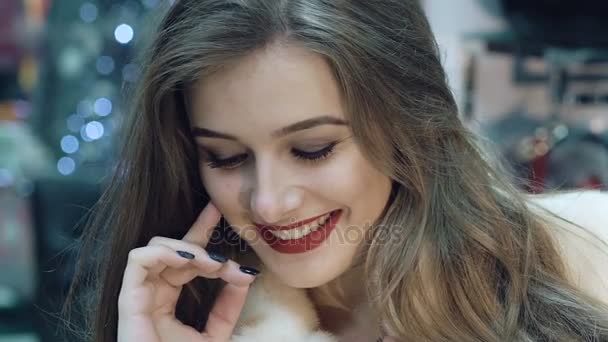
[458, 254]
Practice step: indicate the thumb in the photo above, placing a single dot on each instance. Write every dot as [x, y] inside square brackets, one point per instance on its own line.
[226, 311]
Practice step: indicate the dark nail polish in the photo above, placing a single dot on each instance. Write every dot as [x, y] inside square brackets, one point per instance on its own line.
[218, 257]
[186, 255]
[249, 270]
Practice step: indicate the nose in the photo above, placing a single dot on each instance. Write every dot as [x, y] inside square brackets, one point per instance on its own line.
[274, 196]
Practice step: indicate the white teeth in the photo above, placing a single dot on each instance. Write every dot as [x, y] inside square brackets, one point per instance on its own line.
[300, 232]
[322, 220]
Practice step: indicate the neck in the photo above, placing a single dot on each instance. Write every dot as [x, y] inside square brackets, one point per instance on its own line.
[342, 304]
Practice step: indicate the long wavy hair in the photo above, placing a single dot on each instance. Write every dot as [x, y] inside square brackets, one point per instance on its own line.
[458, 255]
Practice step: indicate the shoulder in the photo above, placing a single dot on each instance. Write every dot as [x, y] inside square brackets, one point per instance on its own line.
[587, 208]
[585, 251]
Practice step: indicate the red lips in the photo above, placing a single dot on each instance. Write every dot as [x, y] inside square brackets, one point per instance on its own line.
[291, 226]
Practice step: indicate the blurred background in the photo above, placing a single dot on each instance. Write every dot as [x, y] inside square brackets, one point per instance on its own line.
[531, 76]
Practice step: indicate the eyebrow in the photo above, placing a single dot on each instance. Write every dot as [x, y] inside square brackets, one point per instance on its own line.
[298, 126]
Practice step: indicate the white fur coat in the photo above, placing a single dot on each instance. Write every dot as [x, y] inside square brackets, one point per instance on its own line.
[275, 312]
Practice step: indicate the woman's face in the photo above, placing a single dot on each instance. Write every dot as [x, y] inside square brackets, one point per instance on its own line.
[255, 114]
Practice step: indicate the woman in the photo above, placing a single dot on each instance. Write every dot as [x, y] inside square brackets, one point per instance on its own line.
[256, 117]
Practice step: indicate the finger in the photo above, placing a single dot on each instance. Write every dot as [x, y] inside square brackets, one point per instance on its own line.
[208, 265]
[225, 312]
[179, 277]
[201, 230]
[149, 261]
[229, 271]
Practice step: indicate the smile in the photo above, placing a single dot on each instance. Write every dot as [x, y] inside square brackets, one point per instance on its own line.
[305, 236]
[293, 225]
[296, 233]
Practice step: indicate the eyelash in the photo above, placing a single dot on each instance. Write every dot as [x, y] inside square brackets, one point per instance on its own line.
[308, 157]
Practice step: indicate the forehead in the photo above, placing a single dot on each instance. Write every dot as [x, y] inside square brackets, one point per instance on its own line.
[266, 90]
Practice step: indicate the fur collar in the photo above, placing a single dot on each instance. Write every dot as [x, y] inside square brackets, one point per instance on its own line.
[275, 312]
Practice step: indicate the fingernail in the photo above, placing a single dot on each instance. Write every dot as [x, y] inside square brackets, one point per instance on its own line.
[186, 255]
[249, 270]
[218, 257]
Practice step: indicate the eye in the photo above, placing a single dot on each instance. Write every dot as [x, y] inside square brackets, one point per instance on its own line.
[315, 156]
[305, 156]
[227, 163]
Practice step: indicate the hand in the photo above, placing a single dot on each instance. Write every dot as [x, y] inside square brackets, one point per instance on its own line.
[154, 278]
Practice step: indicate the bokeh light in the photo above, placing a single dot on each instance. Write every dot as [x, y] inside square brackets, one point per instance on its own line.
[123, 33]
[94, 130]
[88, 12]
[105, 65]
[102, 106]
[69, 144]
[74, 122]
[66, 166]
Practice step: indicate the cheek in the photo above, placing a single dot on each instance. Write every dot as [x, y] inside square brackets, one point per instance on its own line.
[359, 185]
[223, 191]
[351, 178]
